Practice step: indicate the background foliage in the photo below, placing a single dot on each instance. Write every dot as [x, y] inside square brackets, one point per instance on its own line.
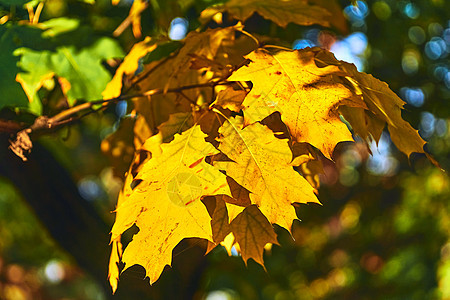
[382, 230]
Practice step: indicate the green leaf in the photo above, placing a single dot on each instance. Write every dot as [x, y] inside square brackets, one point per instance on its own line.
[78, 68]
[13, 2]
[10, 89]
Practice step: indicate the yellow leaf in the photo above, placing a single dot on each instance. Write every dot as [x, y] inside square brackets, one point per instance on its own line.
[230, 99]
[253, 231]
[307, 161]
[228, 243]
[134, 18]
[175, 71]
[261, 164]
[280, 12]
[177, 123]
[113, 269]
[166, 205]
[364, 123]
[302, 153]
[128, 67]
[306, 96]
[385, 105]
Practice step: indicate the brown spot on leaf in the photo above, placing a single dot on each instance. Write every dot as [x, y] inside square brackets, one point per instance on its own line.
[196, 163]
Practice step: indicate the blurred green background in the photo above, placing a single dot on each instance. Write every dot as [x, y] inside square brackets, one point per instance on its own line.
[383, 231]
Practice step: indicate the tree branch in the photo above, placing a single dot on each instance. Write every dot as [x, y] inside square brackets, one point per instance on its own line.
[21, 145]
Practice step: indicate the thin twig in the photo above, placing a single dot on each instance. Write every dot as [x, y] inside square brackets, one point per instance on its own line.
[22, 144]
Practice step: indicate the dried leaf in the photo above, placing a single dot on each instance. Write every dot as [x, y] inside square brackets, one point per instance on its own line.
[230, 99]
[253, 231]
[280, 12]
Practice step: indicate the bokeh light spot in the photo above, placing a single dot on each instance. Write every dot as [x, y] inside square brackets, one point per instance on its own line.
[54, 271]
[416, 35]
[382, 162]
[414, 96]
[427, 124]
[410, 61]
[302, 43]
[89, 188]
[357, 13]
[435, 48]
[435, 29]
[382, 10]
[178, 29]
[411, 11]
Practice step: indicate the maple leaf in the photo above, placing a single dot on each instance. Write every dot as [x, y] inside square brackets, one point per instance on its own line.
[280, 12]
[118, 146]
[384, 106]
[307, 161]
[166, 204]
[76, 67]
[253, 231]
[231, 99]
[128, 67]
[262, 164]
[176, 71]
[306, 96]
[220, 224]
[177, 123]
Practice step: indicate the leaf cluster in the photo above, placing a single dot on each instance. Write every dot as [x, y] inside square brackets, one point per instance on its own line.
[230, 136]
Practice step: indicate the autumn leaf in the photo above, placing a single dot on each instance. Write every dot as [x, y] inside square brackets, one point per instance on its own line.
[253, 231]
[113, 268]
[128, 67]
[166, 205]
[118, 146]
[220, 224]
[384, 106]
[262, 164]
[176, 124]
[308, 163]
[134, 18]
[280, 12]
[175, 71]
[306, 96]
[231, 99]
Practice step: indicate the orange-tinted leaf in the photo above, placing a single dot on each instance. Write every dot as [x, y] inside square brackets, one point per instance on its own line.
[306, 96]
[253, 231]
[385, 106]
[231, 99]
[118, 146]
[280, 12]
